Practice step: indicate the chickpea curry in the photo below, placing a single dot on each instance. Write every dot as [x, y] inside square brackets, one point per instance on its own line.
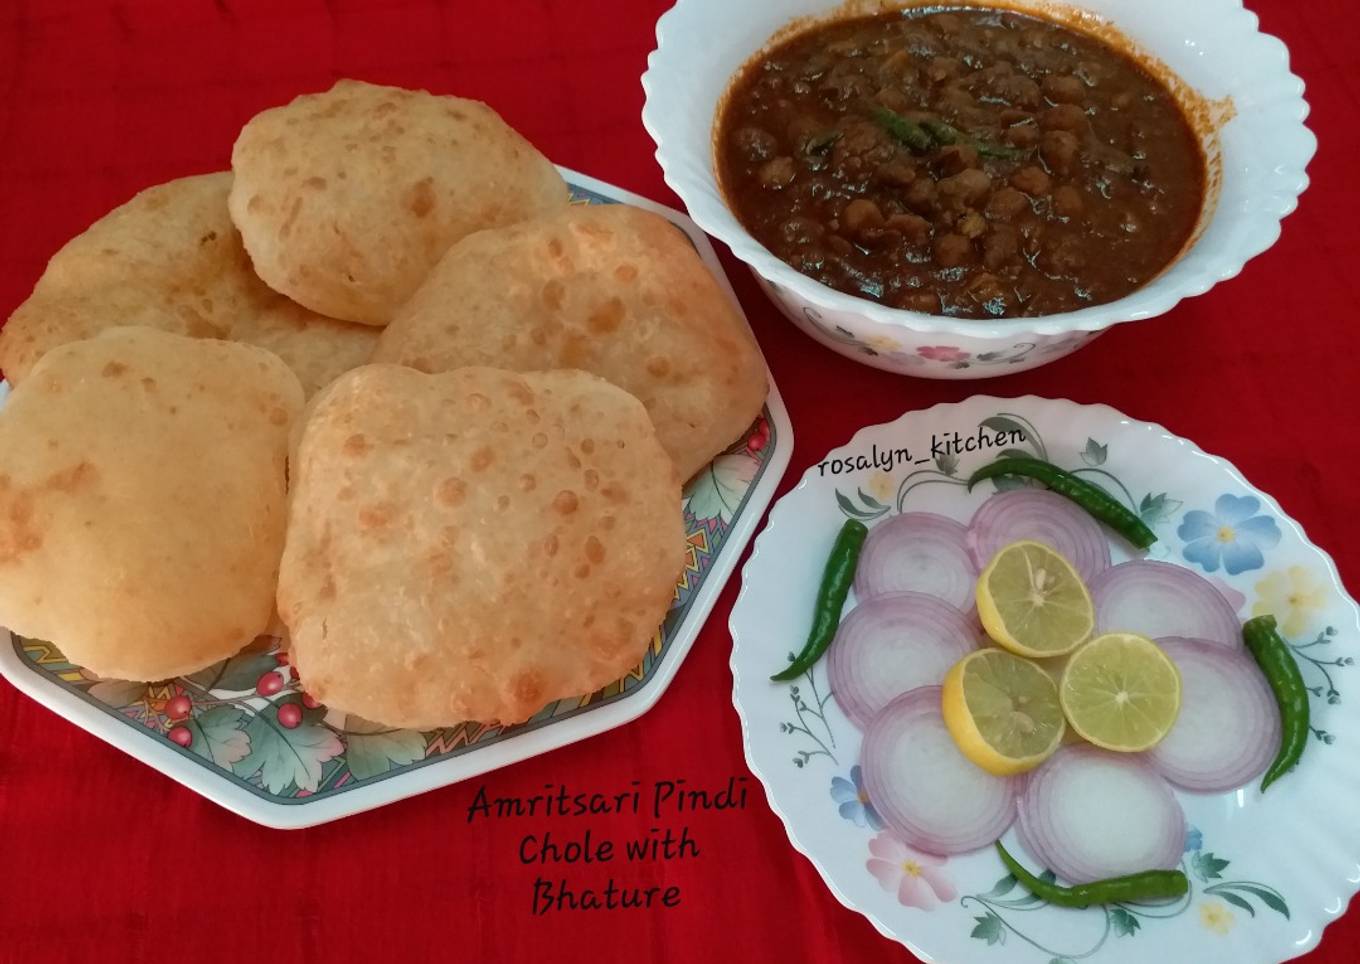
[962, 161]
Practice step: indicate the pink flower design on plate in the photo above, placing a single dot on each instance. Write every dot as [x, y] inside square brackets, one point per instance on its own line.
[944, 353]
[918, 879]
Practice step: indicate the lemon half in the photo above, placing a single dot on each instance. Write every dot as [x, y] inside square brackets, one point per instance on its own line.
[1121, 692]
[1032, 601]
[1002, 711]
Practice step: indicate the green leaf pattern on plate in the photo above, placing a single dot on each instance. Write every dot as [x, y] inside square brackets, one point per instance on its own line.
[717, 491]
[948, 463]
[1207, 867]
[238, 674]
[286, 756]
[218, 736]
[1123, 923]
[371, 748]
[1157, 508]
[990, 929]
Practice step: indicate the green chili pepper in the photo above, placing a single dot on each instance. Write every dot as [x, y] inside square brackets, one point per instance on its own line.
[1148, 885]
[1281, 670]
[907, 131]
[1092, 498]
[826, 614]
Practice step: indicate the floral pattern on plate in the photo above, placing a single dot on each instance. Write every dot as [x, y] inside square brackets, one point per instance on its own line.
[1234, 533]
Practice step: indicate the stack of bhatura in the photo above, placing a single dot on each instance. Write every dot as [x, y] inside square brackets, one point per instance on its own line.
[481, 510]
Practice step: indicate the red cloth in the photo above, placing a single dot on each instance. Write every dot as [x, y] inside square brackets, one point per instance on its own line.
[100, 857]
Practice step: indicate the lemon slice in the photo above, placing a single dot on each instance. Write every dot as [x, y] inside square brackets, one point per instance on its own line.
[1002, 711]
[1121, 692]
[1032, 601]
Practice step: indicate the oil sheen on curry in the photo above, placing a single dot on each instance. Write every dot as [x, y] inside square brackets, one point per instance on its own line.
[961, 161]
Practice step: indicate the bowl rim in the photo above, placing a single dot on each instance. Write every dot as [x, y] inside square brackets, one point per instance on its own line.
[1289, 181]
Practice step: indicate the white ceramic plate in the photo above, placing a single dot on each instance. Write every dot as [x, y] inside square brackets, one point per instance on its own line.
[311, 765]
[1267, 873]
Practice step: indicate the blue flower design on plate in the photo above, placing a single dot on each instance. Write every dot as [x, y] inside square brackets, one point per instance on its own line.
[1233, 534]
[1194, 840]
[854, 802]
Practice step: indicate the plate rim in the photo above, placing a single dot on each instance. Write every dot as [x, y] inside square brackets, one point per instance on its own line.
[1189, 446]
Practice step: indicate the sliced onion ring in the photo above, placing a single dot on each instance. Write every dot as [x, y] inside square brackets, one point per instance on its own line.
[1157, 599]
[1023, 835]
[1022, 824]
[1041, 516]
[1093, 814]
[925, 790]
[1228, 729]
[895, 643]
[918, 552]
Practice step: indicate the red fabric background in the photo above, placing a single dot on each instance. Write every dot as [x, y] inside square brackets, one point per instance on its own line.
[102, 857]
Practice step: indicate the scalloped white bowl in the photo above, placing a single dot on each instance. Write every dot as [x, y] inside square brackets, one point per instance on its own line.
[1212, 46]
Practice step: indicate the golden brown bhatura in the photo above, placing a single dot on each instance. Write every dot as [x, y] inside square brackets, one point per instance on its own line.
[316, 348]
[609, 289]
[142, 500]
[475, 544]
[171, 259]
[347, 198]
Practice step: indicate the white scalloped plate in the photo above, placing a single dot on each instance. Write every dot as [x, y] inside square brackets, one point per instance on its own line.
[1267, 873]
[239, 753]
